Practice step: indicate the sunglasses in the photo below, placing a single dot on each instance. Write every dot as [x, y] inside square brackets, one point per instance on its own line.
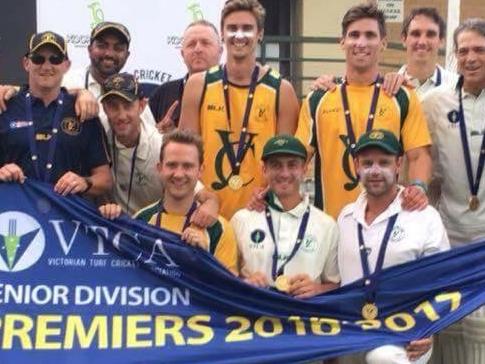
[39, 59]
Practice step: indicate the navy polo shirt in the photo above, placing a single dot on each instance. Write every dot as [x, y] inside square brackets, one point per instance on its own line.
[80, 147]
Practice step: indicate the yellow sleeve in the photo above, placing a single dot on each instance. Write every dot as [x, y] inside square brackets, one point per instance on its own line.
[415, 132]
[226, 251]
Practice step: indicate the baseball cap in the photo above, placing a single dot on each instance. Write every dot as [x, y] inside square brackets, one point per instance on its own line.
[110, 26]
[123, 85]
[284, 144]
[379, 138]
[47, 38]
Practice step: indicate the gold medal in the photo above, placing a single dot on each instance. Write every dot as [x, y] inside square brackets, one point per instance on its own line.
[282, 283]
[235, 182]
[370, 311]
[473, 203]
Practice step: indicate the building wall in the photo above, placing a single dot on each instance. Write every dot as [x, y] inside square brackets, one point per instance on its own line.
[317, 18]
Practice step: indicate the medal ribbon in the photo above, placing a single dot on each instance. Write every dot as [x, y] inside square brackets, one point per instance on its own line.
[299, 239]
[56, 122]
[162, 210]
[236, 160]
[372, 279]
[473, 185]
[132, 168]
[370, 117]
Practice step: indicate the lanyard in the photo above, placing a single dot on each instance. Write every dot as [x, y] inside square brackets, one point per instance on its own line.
[162, 210]
[299, 239]
[132, 167]
[86, 79]
[438, 77]
[236, 159]
[53, 140]
[473, 185]
[372, 279]
[370, 117]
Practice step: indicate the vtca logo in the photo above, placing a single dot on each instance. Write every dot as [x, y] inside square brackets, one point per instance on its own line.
[22, 241]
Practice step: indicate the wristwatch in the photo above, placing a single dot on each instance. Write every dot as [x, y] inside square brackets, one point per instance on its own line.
[89, 184]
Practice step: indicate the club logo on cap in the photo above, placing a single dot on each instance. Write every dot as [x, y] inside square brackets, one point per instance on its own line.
[280, 142]
[117, 82]
[376, 135]
[48, 37]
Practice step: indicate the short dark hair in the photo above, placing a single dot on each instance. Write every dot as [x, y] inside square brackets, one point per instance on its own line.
[431, 13]
[476, 25]
[204, 23]
[253, 6]
[364, 11]
[183, 137]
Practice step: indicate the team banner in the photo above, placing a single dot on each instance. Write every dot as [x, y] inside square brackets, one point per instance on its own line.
[76, 288]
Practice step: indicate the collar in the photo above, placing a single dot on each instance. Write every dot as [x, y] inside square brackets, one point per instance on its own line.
[358, 208]
[433, 79]
[39, 101]
[297, 212]
[468, 95]
[143, 146]
[91, 80]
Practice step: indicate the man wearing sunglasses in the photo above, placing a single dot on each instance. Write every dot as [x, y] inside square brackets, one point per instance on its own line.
[40, 135]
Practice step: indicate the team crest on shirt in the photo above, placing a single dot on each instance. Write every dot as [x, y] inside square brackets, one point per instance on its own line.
[453, 116]
[222, 157]
[71, 126]
[140, 179]
[257, 236]
[261, 113]
[309, 244]
[382, 111]
[397, 234]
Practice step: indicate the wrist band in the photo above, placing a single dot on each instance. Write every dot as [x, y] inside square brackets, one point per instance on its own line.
[420, 184]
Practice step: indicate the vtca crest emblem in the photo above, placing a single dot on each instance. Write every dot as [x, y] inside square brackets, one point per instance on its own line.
[22, 241]
[222, 156]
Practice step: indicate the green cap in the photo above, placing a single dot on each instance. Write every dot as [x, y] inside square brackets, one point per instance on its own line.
[284, 144]
[123, 85]
[379, 138]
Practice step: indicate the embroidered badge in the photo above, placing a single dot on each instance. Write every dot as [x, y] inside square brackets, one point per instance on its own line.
[257, 236]
[71, 126]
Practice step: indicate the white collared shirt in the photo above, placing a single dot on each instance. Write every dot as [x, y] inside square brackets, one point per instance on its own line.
[441, 107]
[416, 234]
[447, 78]
[146, 185]
[317, 255]
[76, 79]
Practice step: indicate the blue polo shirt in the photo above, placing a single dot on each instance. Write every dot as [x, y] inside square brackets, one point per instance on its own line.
[80, 147]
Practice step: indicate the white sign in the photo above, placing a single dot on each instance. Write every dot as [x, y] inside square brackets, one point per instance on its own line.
[393, 10]
[156, 27]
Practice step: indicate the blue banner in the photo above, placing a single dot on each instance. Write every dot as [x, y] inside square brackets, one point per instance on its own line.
[76, 288]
